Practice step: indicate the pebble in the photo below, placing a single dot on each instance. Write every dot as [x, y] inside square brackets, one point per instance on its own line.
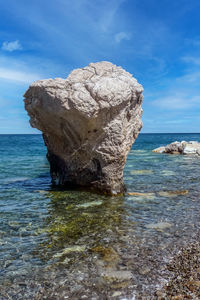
[116, 294]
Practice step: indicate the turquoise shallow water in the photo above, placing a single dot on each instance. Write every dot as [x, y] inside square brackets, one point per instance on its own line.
[57, 244]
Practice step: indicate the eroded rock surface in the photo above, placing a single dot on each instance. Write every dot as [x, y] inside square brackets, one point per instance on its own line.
[89, 122]
[192, 147]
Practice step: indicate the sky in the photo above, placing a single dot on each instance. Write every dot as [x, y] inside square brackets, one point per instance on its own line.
[158, 42]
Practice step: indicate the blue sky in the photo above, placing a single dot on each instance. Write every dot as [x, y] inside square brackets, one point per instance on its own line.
[156, 41]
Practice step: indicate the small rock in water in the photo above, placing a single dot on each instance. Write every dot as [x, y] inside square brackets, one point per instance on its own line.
[159, 150]
[159, 226]
[141, 194]
[191, 147]
[116, 276]
[172, 193]
[14, 224]
[41, 191]
[70, 250]
[90, 204]
[108, 253]
[116, 294]
[140, 172]
[66, 261]
[167, 173]
[144, 271]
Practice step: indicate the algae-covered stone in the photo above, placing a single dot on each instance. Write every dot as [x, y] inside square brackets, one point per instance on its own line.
[108, 254]
[76, 216]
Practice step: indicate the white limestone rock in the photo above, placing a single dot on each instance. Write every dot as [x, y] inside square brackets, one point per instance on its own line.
[89, 122]
[192, 147]
[159, 150]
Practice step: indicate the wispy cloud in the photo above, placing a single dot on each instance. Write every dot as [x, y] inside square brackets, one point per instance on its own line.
[122, 36]
[11, 46]
[84, 28]
[193, 42]
[25, 69]
[177, 102]
[108, 14]
[192, 59]
[191, 78]
[19, 76]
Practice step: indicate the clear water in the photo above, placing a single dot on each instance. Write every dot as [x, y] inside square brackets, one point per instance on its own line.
[57, 244]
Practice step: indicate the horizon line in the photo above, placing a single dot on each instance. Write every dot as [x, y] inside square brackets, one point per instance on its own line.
[139, 133]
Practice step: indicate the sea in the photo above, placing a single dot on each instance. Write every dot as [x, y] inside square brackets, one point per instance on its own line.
[74, 244]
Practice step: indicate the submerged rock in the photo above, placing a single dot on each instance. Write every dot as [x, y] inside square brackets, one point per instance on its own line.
[141, 194]
[159, 226]
[108, 253]
[111, 275]
[140, 172]
[192, 147]
[90, 204]
[70, 250]
[152, 195]
[172, 193]
[89, 122]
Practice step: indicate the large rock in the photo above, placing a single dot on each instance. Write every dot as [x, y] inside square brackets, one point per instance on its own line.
[192, 147]
[89, 122]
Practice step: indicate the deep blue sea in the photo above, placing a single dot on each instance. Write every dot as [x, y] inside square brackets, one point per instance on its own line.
[70, 244]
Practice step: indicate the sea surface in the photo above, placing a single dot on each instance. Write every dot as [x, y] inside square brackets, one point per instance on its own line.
[72, 244]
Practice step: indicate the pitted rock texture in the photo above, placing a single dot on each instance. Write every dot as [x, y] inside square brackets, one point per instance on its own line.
[192, 147]
[89, 122]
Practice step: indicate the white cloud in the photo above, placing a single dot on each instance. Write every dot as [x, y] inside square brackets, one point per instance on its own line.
[192, 59]
[177, 102]
[122, 36]
[11, 46]
[194, 42]
[190, 78]
[108, 15]
[16, 75]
